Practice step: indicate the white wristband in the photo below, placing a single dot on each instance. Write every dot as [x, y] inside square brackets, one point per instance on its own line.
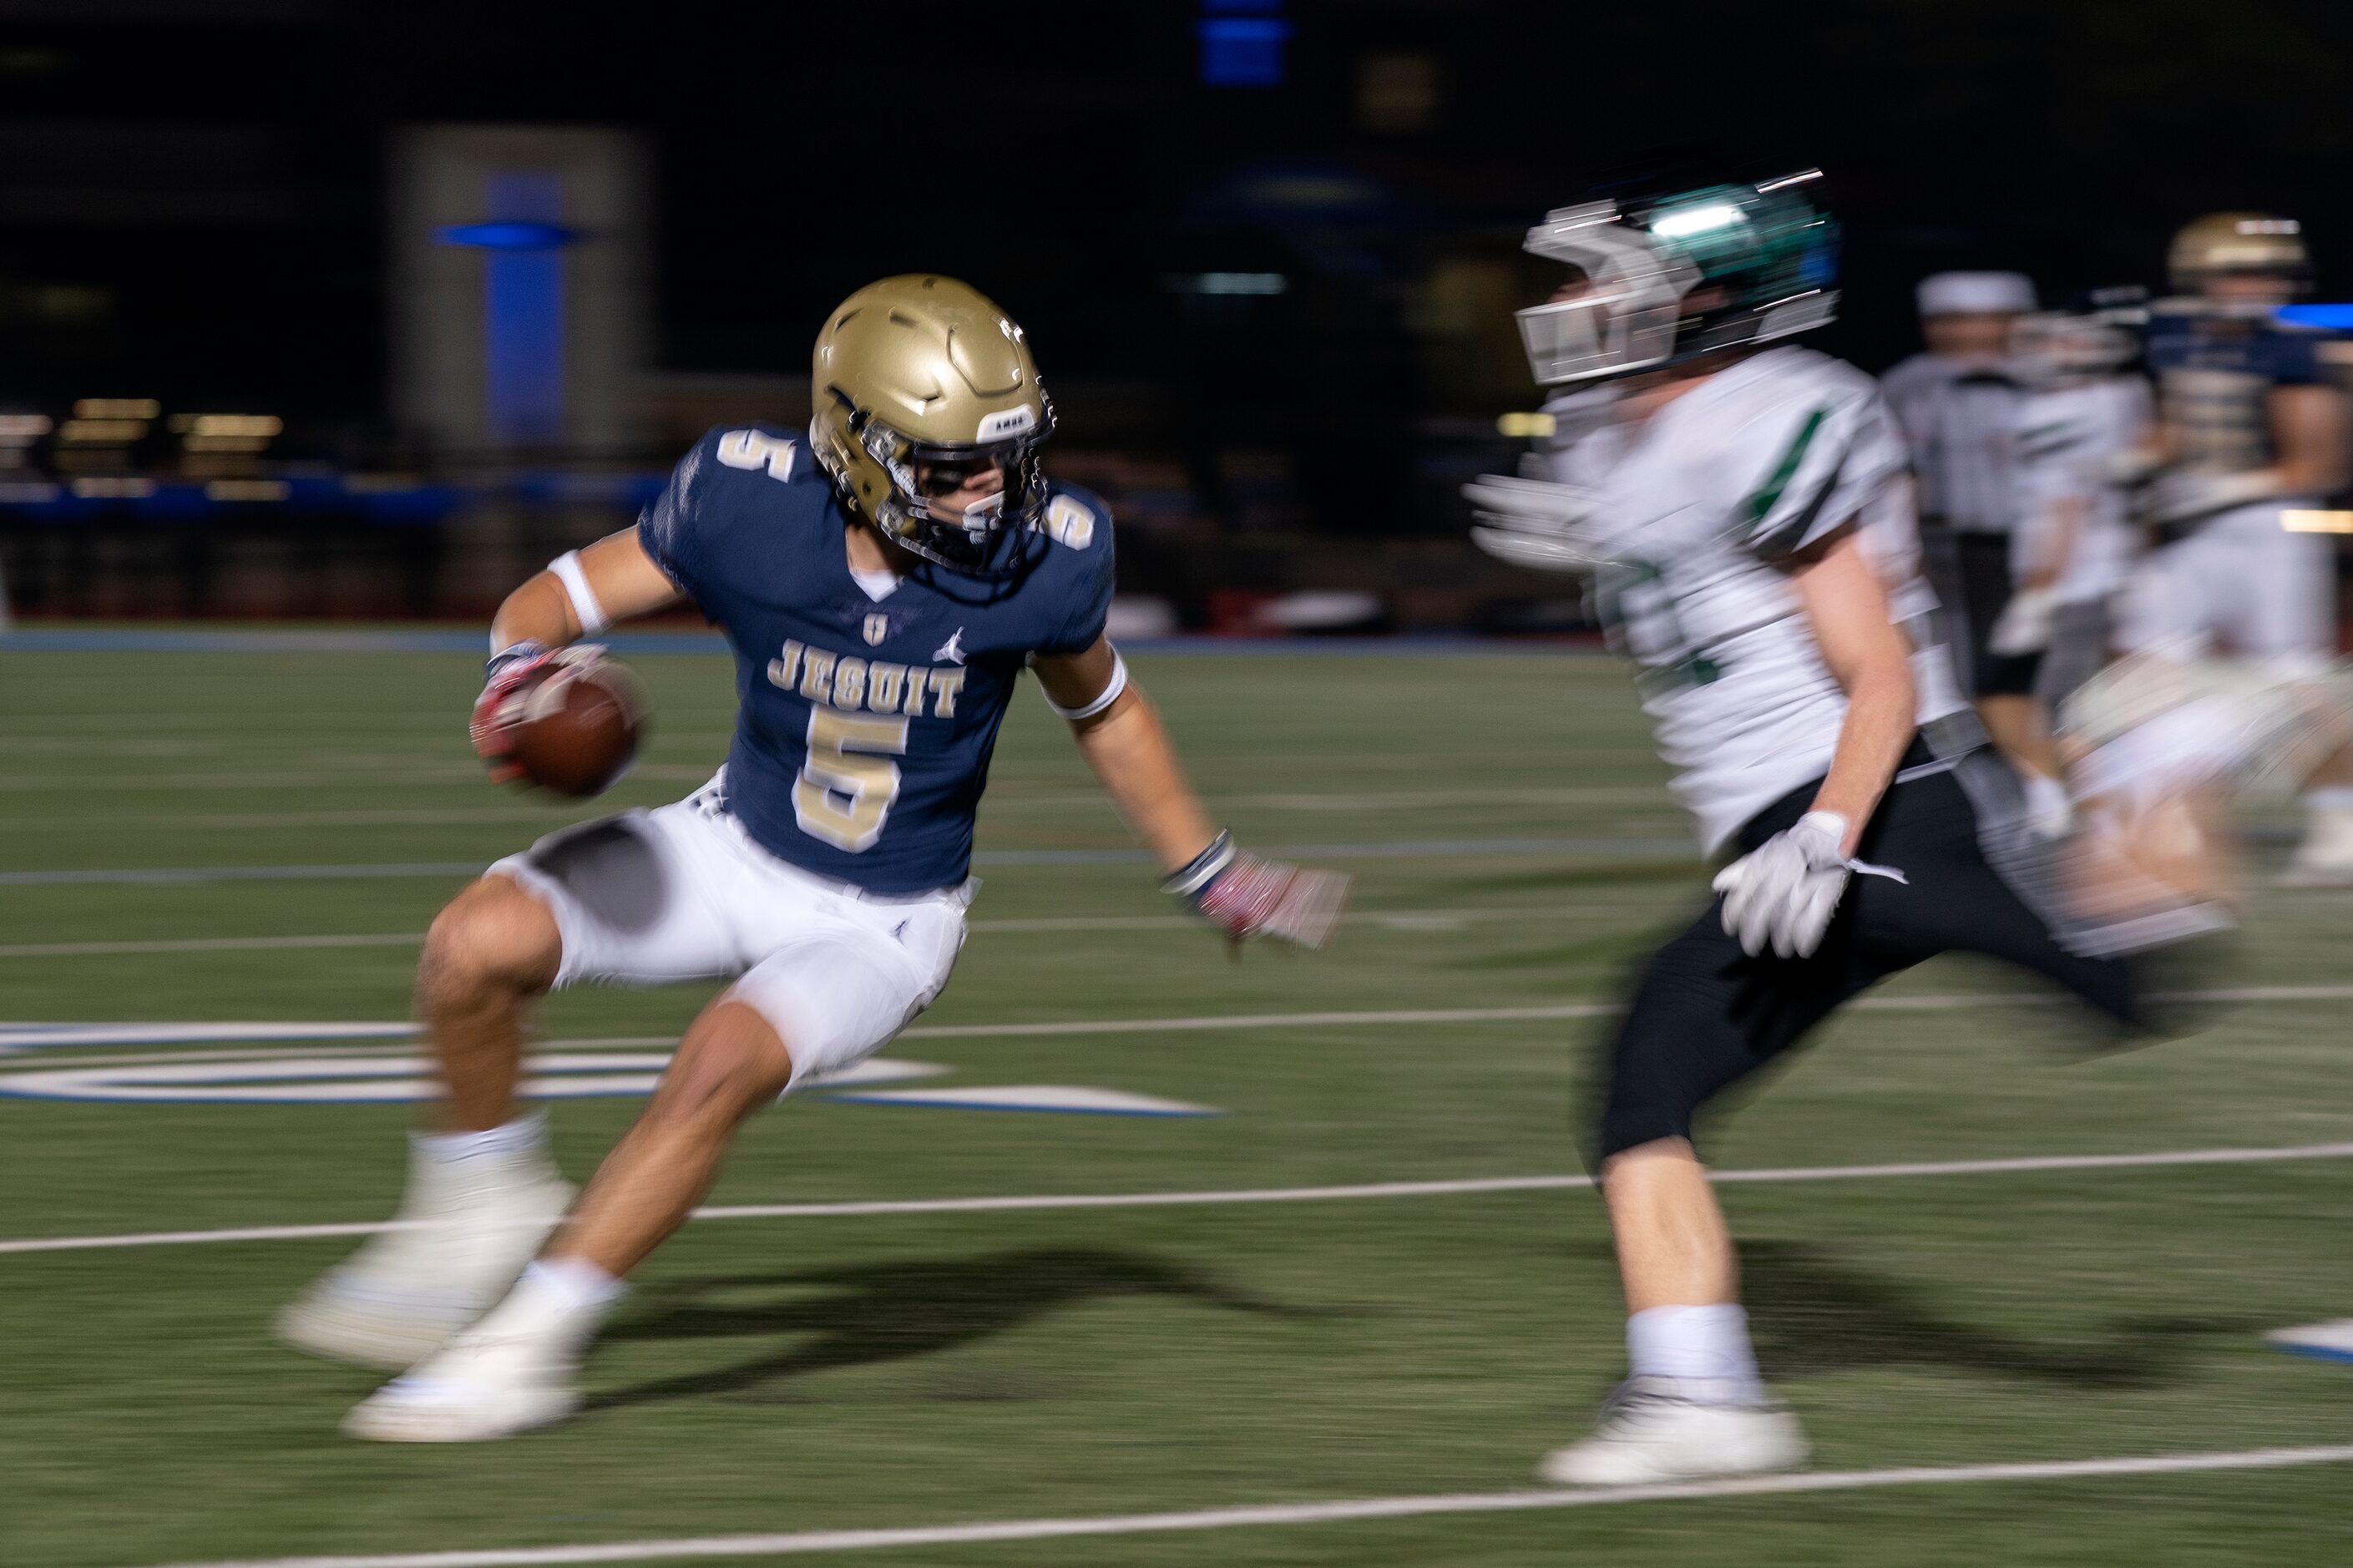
[591, 614]
[1110, 694]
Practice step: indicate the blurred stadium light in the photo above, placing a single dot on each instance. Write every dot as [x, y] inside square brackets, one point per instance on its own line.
[2331, 318]
[1241, 43]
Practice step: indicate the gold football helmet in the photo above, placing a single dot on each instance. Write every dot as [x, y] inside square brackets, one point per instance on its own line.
[917, 381]
[2223, 243]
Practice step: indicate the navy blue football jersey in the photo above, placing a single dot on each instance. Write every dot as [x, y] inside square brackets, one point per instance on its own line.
[2214, 375]
[864, 726]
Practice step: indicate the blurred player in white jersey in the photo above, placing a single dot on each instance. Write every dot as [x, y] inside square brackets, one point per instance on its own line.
[2232, 617]
[1959, 405]
[2079, 428]
[2249, 429]
[1742, 506]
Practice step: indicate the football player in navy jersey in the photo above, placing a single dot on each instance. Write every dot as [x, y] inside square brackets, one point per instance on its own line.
[2250, 428]
[883, 581]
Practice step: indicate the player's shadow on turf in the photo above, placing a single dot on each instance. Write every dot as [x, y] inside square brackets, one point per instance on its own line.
[895, 1311]
[1811, 1315]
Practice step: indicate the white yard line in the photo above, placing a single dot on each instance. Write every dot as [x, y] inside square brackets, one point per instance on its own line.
[1569, 1010]
[1617, 848]
[37, 1036]
[1392, 920]
[20, 1037]
[162, 782]
[1056, 800]
[47, 1060]
[207, 944]
[96, 1058]
[522, 818]
[1372, 800]
[1260, 1516]
[2156, 1159]
[1263, 1021]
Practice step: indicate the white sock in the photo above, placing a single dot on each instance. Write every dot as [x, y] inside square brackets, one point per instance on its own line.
[523, 1136]
[573, 1284]
[562, 1299]
[2330, 798]
[1696, 1345]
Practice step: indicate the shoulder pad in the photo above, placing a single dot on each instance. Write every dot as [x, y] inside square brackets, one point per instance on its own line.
[1817, 458]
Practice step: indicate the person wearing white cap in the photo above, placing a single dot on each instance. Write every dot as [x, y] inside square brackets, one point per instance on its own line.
[1959, 403]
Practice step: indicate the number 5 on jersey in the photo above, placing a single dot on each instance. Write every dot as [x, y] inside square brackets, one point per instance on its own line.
[847, 786]
[757, 449]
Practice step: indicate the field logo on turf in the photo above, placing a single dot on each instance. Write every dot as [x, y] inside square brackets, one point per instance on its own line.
[358, 1077]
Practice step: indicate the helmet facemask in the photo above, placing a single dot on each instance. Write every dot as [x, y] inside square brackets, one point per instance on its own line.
[914, 514]
[1624, 319]
[1670, 279]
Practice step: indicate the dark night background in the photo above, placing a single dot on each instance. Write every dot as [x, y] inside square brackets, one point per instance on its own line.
[191, 194]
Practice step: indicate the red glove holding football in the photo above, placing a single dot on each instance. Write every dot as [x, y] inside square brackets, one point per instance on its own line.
[498, 709]
[1246, 897]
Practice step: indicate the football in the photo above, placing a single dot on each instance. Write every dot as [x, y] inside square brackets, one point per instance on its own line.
[576, 726]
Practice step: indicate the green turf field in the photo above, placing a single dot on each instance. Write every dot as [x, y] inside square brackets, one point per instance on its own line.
[775, 1375]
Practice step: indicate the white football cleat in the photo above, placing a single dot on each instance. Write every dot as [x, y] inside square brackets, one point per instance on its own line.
[1653, 1430]
[493, 1381]
[470, 1225]
[2329, 1341]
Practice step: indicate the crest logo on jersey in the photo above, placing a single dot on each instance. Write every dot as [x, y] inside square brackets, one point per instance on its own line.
[878, 626]
[952, 650]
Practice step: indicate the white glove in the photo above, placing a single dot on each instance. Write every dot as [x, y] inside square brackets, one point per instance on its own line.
[2025, 625]
[1784, 891]
[1535, 524]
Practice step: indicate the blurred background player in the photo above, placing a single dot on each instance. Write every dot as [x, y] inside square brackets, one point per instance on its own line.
[1959, 403]
[884, 583]
[1734, 499]
[2083, 421]
[2249, 427]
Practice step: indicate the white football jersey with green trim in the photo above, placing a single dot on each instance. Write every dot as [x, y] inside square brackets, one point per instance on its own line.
[1697, 511]
[2070, 441]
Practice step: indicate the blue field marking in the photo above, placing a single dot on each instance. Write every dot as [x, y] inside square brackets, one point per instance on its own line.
[349, 1078]
[378, 1080]
[136, 639]
[2314, 1352]
[2287, 1340]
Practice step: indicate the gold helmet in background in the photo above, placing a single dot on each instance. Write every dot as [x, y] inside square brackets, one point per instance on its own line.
[2256, 243]
[917, 381]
